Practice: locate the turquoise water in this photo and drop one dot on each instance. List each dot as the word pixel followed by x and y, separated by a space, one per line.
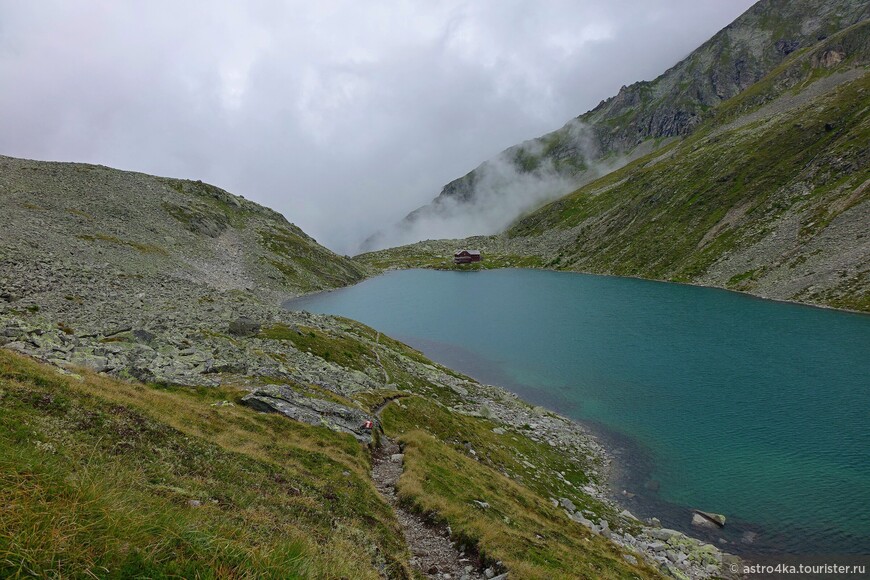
pixel 713 400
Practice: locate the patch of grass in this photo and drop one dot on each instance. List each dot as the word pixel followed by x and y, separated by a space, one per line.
pixel 334 348
pixel 140 247
pixel 743 280
pixel 199 218
pixel 105 478
pixel 80 213
pixel 538 466
pixel 525 531
pixel 304 263
pixel 371 400
pixel 412 256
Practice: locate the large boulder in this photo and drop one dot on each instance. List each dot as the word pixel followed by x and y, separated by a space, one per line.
pixel 244 326
pixel 284 400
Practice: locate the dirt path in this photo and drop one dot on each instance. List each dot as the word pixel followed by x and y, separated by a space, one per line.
pixel 432 552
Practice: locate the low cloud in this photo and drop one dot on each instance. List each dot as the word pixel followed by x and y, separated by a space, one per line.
pixel 342 115
pixel 502 191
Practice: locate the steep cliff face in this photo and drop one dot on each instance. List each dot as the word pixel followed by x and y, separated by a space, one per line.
pixel 734 59
pixel 639 119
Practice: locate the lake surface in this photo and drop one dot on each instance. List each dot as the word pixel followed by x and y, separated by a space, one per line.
pixel 714 400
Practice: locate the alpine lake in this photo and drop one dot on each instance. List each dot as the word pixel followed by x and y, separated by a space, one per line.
pixel 707 399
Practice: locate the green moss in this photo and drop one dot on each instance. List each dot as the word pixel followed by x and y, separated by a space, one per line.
pixel 741 281
pixel 525 160
pixel 305 264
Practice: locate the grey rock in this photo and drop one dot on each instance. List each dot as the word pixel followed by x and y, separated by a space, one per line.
pixel 143 336
pixel 243 327
pixel 95 363
pixel 567 504
pixel 578 517
pixel 663 534
pixel 279 399
pixel 703 519
pixel 627 514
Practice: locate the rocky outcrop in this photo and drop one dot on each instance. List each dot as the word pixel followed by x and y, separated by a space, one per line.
pixel 284 400
pixel 707 519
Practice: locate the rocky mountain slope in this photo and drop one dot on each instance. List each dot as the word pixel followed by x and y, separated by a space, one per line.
pixel 79 217
pixel 642 117
pixel 161 415
pixel 768 195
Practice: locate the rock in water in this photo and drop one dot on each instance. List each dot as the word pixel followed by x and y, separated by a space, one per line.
pixel 707 519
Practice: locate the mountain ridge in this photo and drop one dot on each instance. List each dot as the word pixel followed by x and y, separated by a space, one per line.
pixel 641 117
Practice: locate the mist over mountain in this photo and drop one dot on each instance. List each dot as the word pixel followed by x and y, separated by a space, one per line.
pixel 640 118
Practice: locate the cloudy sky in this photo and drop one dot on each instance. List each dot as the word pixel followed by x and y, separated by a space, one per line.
pixel 344 116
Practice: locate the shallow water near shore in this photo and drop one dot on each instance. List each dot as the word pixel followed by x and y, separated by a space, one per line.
pixel 708 399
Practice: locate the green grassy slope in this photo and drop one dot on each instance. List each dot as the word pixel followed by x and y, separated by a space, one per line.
pixel 520 526
pixel 106 478
pixel 708 209
pixel 112 479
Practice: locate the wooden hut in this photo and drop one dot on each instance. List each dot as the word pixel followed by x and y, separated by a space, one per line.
pixel 466 256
